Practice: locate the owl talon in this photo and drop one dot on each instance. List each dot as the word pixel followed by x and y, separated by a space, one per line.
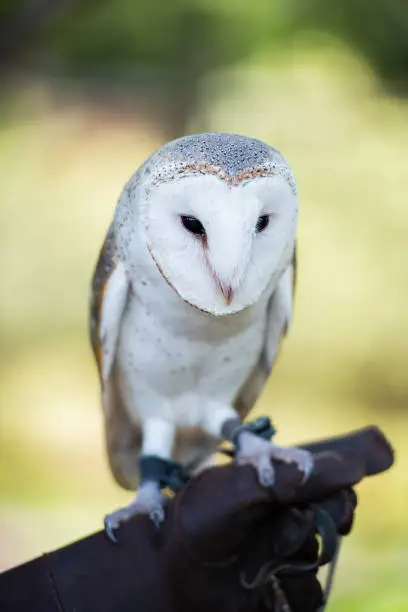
pixel 110 527
pixel 306 466
pixel 253 450
pixel 267 479
pixel 149 500
pixel 266 471
pixel 157 517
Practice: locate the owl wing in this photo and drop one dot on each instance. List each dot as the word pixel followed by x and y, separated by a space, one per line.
pixel 109 294
pixel 109 291
pixel 279 316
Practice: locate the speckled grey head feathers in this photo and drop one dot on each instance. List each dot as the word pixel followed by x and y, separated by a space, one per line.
pixel 233 158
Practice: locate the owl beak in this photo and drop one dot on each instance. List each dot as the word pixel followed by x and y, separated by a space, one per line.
pixel 227 293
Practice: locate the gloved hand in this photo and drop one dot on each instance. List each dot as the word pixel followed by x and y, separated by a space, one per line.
pixel 227 543
pixel 233 545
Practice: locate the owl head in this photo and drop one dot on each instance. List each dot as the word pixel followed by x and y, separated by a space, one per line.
pixel 217 214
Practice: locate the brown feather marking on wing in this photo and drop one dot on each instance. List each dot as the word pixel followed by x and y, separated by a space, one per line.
pixel 105 266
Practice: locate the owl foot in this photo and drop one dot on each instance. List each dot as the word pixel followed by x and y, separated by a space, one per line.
pixel 254 450
pixel 149 500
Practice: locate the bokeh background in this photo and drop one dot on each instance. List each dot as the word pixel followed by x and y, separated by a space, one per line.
pixel 87 91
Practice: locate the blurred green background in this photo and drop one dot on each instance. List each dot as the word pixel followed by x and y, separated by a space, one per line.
pixel 87 91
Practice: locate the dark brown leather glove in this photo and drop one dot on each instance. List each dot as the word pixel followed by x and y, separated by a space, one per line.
pixel 234 545
pixel 227 543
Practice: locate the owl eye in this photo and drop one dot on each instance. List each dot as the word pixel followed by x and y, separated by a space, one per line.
pixel 262 223
pixel 193 225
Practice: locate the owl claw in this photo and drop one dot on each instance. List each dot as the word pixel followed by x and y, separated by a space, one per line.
pixel 148 501
pixel 255 451
pixel 266 471
pixel 109 528
pixel 157 516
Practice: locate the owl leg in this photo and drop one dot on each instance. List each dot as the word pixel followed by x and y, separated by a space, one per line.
pixel 253 449
pixel 157 471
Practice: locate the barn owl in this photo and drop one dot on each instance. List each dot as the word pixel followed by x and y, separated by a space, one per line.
pixel 191 296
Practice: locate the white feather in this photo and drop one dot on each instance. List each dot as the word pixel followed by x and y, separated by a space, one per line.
pixel 235 254
pixel 113 304
pixel 158 437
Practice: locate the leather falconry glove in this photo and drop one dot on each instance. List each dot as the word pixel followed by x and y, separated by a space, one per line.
pixel 235 545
